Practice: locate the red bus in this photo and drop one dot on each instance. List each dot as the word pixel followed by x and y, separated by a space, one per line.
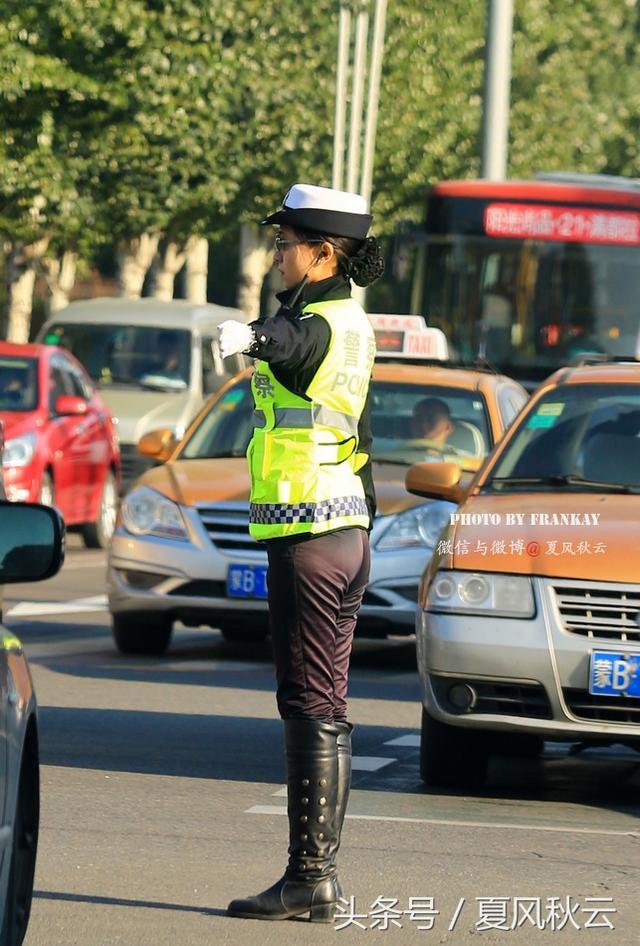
pixel 532 275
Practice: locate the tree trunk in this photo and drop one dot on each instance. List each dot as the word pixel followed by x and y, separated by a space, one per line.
pixel 21 263
pixel 171 259
pixel 61 277
pixel 256 256
pixel 197 252
pixel 134 259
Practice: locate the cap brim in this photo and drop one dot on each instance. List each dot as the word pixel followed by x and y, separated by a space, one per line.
pixel 331 222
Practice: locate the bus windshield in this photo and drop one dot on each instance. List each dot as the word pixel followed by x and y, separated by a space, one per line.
pixel 532 275
pixel 529 307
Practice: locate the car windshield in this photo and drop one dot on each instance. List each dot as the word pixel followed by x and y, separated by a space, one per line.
pixel 18 384
pixel 578 437
pixel 400 415
pixel 139 355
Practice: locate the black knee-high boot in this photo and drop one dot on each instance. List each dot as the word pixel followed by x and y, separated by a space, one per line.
pixel 344 784
pixel 309 884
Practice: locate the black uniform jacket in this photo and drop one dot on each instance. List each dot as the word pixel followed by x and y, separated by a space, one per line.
pixel 295 345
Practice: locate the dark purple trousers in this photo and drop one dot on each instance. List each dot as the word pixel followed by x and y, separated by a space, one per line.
pixel 315 589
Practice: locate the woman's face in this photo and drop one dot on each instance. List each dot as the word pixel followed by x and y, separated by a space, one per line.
pixel 295 259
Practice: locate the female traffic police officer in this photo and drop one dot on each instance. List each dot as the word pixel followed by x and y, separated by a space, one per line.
pixel 312 503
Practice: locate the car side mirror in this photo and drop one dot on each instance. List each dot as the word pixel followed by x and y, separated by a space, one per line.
pixel 70 404
pixel 158 444
pixel 437 481
pixel 32 539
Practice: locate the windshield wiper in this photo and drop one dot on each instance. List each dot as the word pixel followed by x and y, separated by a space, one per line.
pixel 563 479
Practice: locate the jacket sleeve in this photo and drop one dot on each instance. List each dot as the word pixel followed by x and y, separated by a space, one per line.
pixel 295 344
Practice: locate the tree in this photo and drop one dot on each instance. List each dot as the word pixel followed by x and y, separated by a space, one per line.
pixel 40 197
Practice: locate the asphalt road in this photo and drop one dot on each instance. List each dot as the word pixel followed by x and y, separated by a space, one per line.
pixel 162 799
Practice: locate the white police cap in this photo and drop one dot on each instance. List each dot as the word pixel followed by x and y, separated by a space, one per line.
pixel 324 210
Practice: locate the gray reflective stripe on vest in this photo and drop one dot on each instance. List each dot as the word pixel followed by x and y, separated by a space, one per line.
pixel 328 418
pixel 268 514
pixel 303 417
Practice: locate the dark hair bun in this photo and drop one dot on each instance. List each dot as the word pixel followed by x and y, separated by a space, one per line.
pixel 367 264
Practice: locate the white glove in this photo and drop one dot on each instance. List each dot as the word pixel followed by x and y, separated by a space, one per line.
pixel 234 337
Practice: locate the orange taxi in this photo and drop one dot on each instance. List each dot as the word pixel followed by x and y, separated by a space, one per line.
pixel 528 625
pixel 182 550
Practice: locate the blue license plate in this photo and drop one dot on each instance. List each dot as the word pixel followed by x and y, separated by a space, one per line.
pixel 614 674
pixel 247 581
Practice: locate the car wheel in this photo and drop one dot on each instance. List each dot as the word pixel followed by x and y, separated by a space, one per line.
pixel 135 634
pixel 452 757
pixel 243 635
pixel 46 494
pixel 97 535
pixel 23 852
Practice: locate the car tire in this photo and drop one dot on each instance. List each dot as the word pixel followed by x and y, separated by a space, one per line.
pixel 135 634
pixel 452 757
pixel 97 535
pixel 46 493
pixel 243 635
pixel 22 867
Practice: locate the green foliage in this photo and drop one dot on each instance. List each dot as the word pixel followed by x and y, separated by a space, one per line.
pixel 575 91
pixel 119 117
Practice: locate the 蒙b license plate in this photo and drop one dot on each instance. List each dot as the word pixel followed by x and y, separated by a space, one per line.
pixel 247 581
pixel 614 674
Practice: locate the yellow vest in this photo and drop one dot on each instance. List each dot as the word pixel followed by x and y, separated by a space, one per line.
pixel 303 456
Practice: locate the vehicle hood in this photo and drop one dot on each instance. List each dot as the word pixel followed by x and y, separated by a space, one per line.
pixel 192 482
pixel 137 411
pixel 17 423
pixel 601 543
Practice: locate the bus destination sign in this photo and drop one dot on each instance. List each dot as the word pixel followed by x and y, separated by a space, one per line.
pixel 563 224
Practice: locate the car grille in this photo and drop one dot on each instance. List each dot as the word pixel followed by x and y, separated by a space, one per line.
pixel 499 699
pixel 133 464
pixel 608 613
pixel 610 709
pixel 227 525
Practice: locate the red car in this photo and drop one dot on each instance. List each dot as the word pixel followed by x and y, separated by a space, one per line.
pixel 61 446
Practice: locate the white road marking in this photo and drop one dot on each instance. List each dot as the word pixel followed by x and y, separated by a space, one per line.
pixel 240 666
pixel 29 609
pixel 413 741
pixel 497 825
pixel 369 763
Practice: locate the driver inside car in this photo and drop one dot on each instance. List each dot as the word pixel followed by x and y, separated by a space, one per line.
pixel 431 425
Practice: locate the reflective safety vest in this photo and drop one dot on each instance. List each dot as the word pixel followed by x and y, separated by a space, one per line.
pixel 303 456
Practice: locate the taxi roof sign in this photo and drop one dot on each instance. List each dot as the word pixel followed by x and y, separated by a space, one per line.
pixel 407 336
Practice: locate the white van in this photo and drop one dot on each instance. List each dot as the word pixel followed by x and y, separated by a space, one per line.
pixel 154 362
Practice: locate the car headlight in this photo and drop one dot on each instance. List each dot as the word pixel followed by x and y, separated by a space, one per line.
pixel 146 512
pixel 480 593
pixel 419 527
pixel 19 451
